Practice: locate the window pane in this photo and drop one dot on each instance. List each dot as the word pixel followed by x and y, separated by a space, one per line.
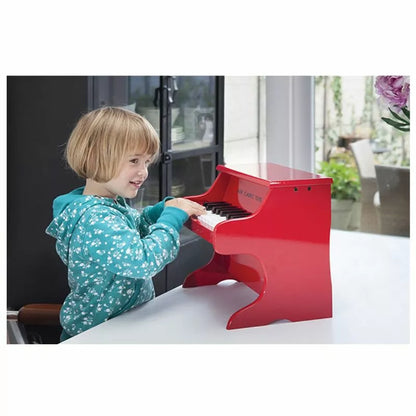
pixel 351 141
pixel 193 113
pixel 141 93
pixel 202 170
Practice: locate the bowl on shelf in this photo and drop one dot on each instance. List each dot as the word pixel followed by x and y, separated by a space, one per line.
pixel 152 115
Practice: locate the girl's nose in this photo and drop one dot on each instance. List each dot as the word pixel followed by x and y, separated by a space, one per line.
pixel 143 171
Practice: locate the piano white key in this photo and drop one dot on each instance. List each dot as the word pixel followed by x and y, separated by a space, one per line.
pixel 210 220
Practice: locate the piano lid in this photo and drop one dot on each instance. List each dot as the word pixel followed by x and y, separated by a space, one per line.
pixel 274 175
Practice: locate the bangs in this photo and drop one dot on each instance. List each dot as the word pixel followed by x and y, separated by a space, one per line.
pixel 144 142
pixel 141 138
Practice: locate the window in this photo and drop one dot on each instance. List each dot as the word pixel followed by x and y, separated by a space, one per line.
pixel 368 159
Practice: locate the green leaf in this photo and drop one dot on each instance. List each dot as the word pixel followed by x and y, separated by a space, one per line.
pixel 406 112
pixel 394 123
pixel 397 116
pixel 403 128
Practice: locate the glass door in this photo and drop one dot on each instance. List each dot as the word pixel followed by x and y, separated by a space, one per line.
pixel 193 113
pixel 196 117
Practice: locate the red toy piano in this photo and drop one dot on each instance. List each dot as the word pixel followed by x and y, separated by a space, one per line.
pixel 269 226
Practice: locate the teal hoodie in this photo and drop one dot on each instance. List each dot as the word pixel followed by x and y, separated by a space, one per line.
pixel 112 252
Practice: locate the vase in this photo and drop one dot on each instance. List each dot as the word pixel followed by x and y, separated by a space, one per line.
pixel 341 211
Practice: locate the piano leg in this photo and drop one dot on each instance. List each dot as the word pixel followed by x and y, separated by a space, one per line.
pixel 289 287
pixel 211 274
pixel 254 314
pixel 296 294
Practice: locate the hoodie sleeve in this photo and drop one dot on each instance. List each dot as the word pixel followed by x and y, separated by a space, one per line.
pixel 114 246
pixel 149 216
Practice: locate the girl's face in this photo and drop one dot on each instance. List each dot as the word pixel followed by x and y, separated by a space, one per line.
pixel 133 172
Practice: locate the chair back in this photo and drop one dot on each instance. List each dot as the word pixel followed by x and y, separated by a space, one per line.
pixel 394 189
pixel 364 158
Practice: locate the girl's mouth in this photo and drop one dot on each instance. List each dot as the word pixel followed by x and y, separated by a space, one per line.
pixel 137 184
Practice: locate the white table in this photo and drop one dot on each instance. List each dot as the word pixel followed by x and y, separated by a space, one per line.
pixel 370 281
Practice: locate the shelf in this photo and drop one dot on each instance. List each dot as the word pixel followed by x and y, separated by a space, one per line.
pixel 187 149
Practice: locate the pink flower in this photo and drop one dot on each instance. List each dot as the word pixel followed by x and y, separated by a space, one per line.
pixel 393 90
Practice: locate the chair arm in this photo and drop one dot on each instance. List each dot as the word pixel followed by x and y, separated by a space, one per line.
pixel 376 199
pixel 46 314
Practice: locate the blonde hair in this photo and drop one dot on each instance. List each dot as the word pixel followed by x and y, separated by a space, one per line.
pixel 103 137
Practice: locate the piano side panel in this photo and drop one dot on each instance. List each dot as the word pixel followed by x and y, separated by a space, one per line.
pixel 239 192
pixel 290 237
pixel 194 225
pixel 247 268
pixel 236 191
pixel 296 214
pixel 215 192
pixel 245 194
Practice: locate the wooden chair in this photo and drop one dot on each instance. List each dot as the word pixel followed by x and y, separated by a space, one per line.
pixel 36 323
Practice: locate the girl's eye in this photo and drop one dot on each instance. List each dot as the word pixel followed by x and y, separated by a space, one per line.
pixel 137 160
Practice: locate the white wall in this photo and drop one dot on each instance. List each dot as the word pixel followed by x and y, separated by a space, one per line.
pixel 269 119
pixel 290 121
pixel 241 120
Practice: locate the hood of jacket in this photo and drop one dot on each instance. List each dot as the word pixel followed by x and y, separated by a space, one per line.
pixel 68 210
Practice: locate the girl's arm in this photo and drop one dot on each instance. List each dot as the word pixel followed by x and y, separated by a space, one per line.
pixel 113 245
pixel 149 216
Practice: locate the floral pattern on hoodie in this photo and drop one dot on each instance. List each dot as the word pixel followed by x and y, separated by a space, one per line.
pixel 112 252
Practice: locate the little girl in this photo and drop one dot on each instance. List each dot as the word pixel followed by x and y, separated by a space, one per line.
pixel 112 251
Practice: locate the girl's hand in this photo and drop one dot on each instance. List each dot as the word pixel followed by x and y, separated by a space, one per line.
pixel 190 207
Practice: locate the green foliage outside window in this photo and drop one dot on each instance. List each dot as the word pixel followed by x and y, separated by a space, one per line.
pixel 346 182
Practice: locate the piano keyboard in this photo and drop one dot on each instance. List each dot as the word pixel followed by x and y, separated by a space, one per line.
pixel 220 211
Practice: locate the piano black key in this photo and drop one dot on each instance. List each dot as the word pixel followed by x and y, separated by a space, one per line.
pixel 218 210
pixel 226 211
pixel 232 215
pixel 216 203
pixel 211 205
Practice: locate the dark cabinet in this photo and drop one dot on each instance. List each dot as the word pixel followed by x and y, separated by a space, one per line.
pixel 41 113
